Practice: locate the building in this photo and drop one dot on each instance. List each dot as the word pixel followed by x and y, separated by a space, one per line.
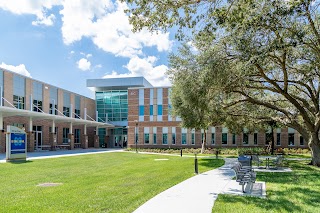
pixel 52 117
pixel 125 111
pixel 141 112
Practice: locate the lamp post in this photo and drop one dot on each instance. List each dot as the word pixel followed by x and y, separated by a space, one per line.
pixel 135 135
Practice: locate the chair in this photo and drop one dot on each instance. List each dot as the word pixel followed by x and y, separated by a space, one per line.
pixel 277 162
pixel 256 159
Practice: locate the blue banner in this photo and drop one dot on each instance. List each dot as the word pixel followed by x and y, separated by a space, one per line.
pixel 18 143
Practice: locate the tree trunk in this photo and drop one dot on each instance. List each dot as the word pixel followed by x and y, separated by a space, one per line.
pixel 315 149
pixel 203 147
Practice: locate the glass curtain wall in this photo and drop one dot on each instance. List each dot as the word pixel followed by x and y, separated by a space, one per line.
pixel 66 104
pixel 112 105
pixel 77 104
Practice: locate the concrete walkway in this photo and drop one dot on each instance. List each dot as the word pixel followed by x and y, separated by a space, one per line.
pixel 62 153
pixel 196 194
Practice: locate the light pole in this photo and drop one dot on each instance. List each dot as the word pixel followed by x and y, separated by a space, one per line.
pixel 135 135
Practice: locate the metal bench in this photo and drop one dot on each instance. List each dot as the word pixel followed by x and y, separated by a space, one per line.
pixel 62 146
pixel 244 175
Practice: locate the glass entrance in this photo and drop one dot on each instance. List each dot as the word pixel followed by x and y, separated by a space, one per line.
pixel 118 141
pixel 37 130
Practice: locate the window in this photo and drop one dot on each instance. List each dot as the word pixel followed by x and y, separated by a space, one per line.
pixel 77 136
pixel 151 109
pixel 301 140
pixel 19 91
pixel 268 138
pixel 66 111
pixel 278 139
pixel 65 135
pixel 53 106
pixel 146 138
pixel 173 138
pixel 154 138
pixel 18 101
pixel 192 138
pixel 224 138
pixel 245 138
pixel 255 138
pixel 184 138
pixel 77 106
pixel 165 138
pixel 212 138
pixel 66 104
pixel 202 137
pixel 77 113
pixel 141 110
pixel 137 138
pixel 233 139
pixel 159 109
pixel 291 139
pixel 37 96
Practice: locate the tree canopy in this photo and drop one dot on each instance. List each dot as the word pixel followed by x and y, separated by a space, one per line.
pixel 260 57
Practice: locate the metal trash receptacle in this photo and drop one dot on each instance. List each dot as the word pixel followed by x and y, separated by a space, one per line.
pixel 245 160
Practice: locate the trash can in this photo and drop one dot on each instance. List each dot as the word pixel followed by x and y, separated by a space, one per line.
pixel 245 160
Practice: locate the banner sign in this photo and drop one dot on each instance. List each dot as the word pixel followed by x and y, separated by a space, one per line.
pixel 16 141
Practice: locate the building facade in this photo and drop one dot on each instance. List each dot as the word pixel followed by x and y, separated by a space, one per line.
pixel 126 112
pixel 141 113
pixel 52 117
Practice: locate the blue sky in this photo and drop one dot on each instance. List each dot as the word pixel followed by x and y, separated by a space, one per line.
pixel 65 42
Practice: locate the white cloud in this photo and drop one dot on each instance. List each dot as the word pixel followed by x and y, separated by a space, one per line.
pixel 38 8
pixel 84 64
pixel 89 55
pixel 21 69
pixel 48 21
pixel 144 67
pixel 71 52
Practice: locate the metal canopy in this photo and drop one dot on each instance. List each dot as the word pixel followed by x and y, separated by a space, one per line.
pixel 9 112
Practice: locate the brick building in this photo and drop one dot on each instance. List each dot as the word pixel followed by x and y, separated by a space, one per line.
pixel 52 117
pixel 141 112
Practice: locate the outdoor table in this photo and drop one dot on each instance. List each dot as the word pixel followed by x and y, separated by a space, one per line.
pixel 267 159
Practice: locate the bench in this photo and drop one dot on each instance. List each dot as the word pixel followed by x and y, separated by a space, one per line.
pixel 77 145
pixel 43 147
pixel 62 146
pixel 244 175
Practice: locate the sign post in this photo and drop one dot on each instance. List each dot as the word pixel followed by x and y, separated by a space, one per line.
pixel 16 144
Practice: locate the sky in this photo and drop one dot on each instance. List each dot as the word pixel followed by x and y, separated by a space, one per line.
pixel 65 42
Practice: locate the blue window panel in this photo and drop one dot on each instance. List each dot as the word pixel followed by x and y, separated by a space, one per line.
pixel 151 109
pixel 141 110
pixel 159 109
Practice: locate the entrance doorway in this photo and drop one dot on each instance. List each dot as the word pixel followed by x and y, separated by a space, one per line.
pixel 120 141
pixel 37 130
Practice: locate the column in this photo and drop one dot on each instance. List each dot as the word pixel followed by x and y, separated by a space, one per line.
pixel 84 138
pixel 2 142
pixel 30 141
pixel 53 137
pixel 71 141
pixel 96 138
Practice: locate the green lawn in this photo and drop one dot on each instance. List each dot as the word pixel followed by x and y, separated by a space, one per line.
pixel 110 182
pixel 298 191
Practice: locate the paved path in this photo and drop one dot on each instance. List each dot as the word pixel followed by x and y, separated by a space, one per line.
pixel 62 153
pixel 196 194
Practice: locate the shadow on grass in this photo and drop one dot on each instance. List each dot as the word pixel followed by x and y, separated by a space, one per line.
pixel 214 163
pixel 20 162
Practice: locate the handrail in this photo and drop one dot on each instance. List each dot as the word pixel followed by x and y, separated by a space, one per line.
pixel 9 103
pixel 38 108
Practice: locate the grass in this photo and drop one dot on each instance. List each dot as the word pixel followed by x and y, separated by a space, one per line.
pixel 298 191
pixel 110 182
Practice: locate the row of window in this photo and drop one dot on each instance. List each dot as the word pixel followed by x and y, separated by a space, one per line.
pixel 159 110
pixel 224 139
